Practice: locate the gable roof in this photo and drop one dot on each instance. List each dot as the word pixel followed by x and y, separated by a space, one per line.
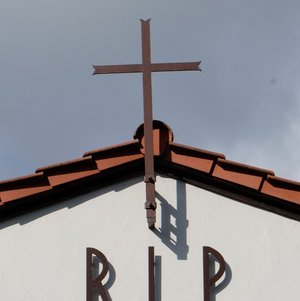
pixel 212 171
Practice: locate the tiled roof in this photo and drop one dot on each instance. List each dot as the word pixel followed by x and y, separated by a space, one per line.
pixel 212 171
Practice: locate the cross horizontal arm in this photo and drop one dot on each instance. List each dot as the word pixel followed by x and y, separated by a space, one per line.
pixel 186 66
pixel 117 69
pixel 158 67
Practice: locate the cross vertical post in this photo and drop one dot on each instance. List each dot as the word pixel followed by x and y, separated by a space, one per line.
pixel 149 179
pixel 147 68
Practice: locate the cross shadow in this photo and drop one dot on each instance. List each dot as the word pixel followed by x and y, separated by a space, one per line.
pixel 174 223
pixel 215 289
pixel 109 281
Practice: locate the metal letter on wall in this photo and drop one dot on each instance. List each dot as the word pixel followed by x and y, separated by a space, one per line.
pixel 91 282
pixel 209 281
pixel 151 268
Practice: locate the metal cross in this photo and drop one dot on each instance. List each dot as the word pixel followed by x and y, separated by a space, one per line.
pixel 147 68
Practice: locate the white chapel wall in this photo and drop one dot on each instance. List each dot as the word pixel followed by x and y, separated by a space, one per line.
pixel 43 254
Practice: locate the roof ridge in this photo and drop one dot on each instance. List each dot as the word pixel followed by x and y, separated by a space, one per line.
pixel 236 164
pixel 64 164
pixel 25 178
pixel 109 148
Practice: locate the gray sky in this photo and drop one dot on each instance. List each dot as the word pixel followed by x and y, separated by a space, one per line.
pixel 245 103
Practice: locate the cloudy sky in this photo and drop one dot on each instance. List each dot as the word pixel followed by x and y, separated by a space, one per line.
pixel 245 103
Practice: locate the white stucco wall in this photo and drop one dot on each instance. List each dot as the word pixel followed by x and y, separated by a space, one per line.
pixel 43 254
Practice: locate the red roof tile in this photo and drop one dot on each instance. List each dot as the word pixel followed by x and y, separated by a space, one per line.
pixel 18 188
pixel 242 174
pixel 255 186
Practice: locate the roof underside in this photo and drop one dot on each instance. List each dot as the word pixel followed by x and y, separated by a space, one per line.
pixel 212 171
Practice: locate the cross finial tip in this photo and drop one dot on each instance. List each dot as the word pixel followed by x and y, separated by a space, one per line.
pixel 94 69
pixel 145 21
pixel 199 66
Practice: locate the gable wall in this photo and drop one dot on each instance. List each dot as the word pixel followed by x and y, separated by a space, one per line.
pixel 43 253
